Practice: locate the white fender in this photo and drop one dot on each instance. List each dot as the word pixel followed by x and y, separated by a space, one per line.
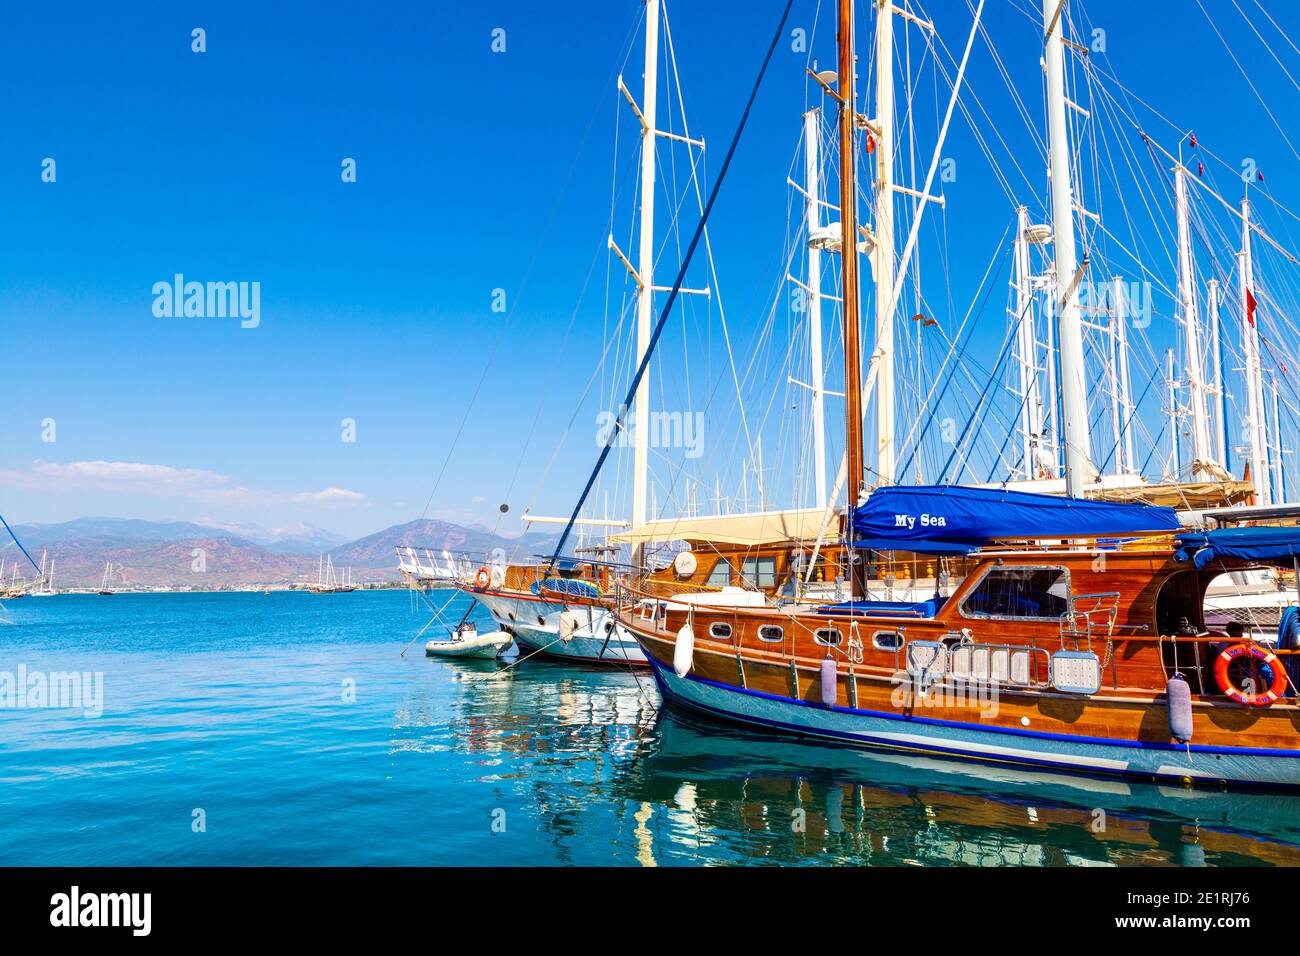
pixel 569 623
pixel 497 576
pixel 684 651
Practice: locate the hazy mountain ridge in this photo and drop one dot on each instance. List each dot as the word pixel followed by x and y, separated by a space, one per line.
pixel 206 555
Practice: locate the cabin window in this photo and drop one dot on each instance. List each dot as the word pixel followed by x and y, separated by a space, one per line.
pixel 886 640
pixel 720 576
pixel 799 561
pixel 771 632
pixel 760 572
pixel 1008 592
pixel 828 636
pixel 721 632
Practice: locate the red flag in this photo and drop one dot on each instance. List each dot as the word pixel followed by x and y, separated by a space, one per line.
pixel 1200 169
pixel 1193 141
pixel 1259 174
pixel 1250 307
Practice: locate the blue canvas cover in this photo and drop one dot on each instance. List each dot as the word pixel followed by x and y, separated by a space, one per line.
pixel 883 608
pixel 948 519
pixel 1262 545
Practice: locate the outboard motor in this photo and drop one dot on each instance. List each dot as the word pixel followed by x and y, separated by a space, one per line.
pixel 1178 698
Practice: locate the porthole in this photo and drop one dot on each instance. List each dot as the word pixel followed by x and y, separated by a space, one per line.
pixel 771 633
pixel 720 631
pixel 828 636
pixel 887 640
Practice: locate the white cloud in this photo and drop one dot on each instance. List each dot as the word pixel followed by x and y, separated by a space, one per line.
pixel 330 496
pixel 141 477
pixel 128 471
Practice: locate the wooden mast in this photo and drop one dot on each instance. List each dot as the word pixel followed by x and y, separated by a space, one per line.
pixel 849 273
pixel 849 263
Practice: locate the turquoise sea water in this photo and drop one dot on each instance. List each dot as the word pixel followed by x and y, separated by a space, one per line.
pixel 289 724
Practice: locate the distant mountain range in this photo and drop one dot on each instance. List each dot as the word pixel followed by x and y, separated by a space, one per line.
pixel 209 554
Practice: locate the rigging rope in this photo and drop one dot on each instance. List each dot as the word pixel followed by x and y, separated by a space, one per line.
pixel 39 569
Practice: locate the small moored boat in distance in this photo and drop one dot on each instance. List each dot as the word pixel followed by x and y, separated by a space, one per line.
pixel 327 582
pixel 45 587
pixel 106 585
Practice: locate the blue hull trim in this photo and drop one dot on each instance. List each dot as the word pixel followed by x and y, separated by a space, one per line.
pixel 1240 766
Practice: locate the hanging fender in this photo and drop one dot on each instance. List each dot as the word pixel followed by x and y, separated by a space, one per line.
pixel 684 651
pixel 830 682
pixel 1268 660
pixel 1178 702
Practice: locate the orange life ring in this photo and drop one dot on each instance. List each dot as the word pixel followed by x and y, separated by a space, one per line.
pixel 1267 658
pixel 483 578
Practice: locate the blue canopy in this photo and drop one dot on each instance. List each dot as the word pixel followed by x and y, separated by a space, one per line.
pixel 1263 545
pixel 951 519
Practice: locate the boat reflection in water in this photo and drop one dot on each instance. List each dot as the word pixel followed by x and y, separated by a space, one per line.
pixel 591 773
pixel 728 795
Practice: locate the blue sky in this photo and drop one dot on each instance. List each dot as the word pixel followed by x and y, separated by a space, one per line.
pixel 475 171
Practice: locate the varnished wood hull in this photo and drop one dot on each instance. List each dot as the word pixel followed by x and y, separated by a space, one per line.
pixel 1108 738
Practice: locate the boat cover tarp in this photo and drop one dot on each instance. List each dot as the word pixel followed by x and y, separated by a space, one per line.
pixel 747 530
pixel 1265 545
pixel 883 608
pixel 571 586
pixel 948 519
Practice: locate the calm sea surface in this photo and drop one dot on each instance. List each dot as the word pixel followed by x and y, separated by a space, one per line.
pixel 287 729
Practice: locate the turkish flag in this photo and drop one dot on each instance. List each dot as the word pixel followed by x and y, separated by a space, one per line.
pixel 1250 307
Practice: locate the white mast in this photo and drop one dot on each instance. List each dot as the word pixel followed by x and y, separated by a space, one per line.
pixel 1175 466
pixel 1112 376
pixel 645 268
pixel 1074 394
pixel 1031 412
pixel 1216 359
pixel 812 186
pixel 1256 428
pixel 1125 403
pixel 1279 485
pixel 1201 456
pixel 884 242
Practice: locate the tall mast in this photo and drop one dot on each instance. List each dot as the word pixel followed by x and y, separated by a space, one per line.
pixel 1031 412
pixel 1121 347
pixel 1074 386
pixel 645 268
pixel 1175 466
pixel 1201 454
pixel 1257 440
pixel 812 186
pixel 884 242
pixel 1112 374
pixel 1216 357
pixel 849 262
pixel 1279 483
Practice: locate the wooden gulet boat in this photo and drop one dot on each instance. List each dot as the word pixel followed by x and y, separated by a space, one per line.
pixel 1065 656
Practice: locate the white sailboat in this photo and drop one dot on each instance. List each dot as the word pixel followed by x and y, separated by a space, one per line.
pixel 45 587
pixel 328 582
